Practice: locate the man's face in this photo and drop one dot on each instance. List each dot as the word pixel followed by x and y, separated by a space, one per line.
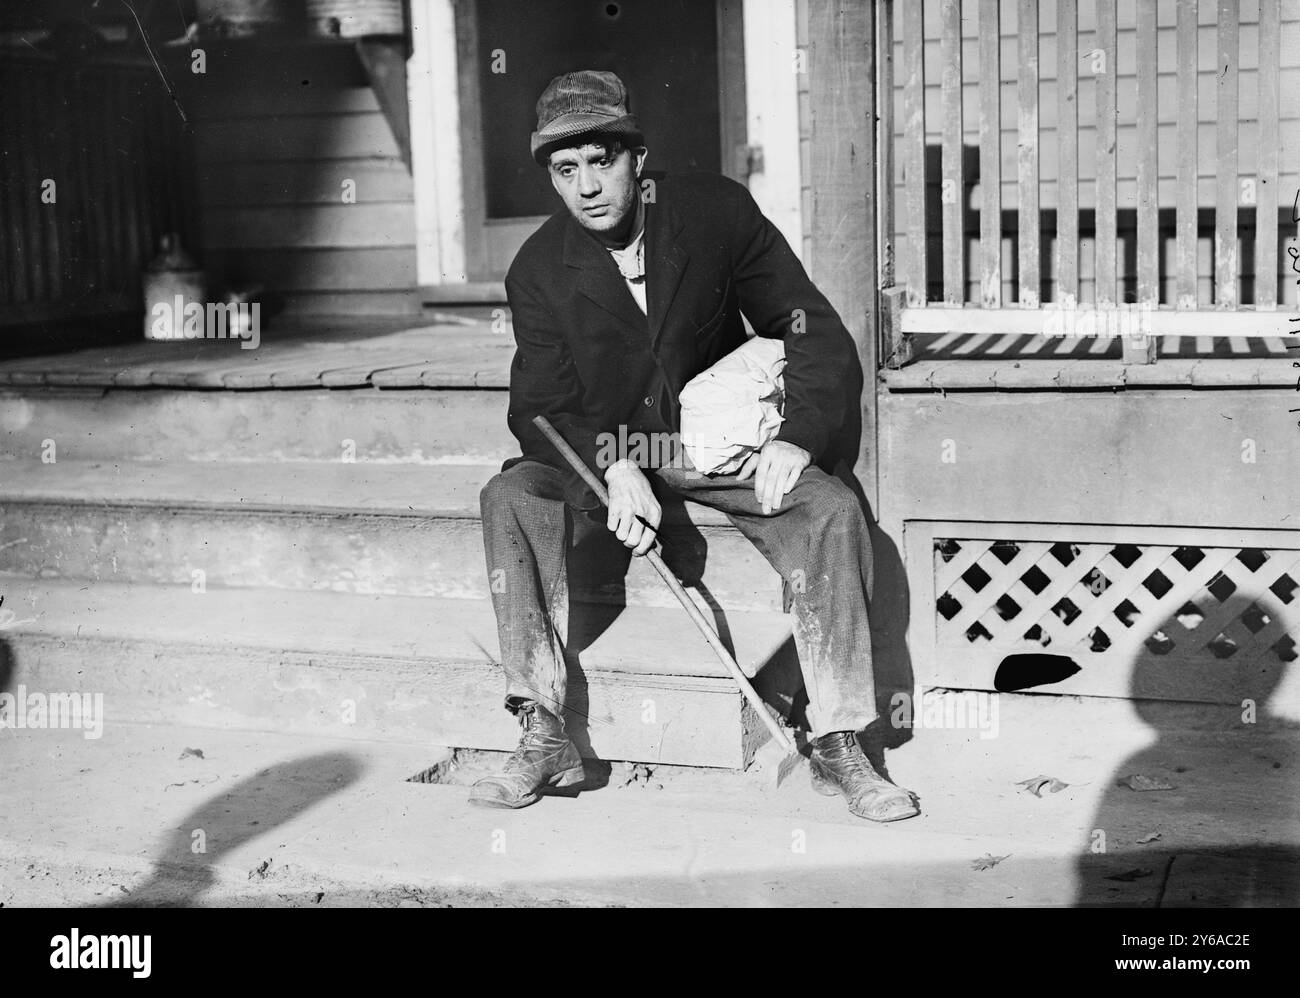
pixel 600 188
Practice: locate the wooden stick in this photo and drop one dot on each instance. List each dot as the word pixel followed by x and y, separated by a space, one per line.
pixel 652 556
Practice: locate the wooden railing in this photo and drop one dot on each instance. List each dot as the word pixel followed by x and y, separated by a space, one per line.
pixel 96 169
pixel 1150 301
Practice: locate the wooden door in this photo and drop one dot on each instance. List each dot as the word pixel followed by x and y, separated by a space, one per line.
pixel 683 65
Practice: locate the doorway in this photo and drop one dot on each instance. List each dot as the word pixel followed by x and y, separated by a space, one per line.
pixel 681 60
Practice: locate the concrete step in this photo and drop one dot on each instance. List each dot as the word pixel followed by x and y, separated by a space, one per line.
pixel 461 425
pixel 644 685
pixel 365 528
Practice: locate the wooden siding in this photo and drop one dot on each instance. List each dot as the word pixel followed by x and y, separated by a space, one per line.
pixel 278 133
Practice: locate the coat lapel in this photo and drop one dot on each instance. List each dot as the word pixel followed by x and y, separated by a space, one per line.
pixel 665 263
pixel 599 279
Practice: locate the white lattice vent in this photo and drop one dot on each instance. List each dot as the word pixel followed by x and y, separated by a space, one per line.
pixel 1107 600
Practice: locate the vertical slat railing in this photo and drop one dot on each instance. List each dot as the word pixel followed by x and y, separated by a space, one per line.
pixel 27 153
pixel 1103 63
pixel 1143 349
pixel 990 68
pixel 7 266
pixel 1225 133
pixel 1186 206
pixel 914 149
pixel 953 192
pixel 1067 153
pixel 96 183
pixel 1266 193
pixel 1148 249
pixel 111 186
pixel 1027 160
pixel 101 134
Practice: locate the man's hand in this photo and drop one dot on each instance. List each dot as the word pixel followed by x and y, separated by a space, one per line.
pixel 630 496
pixel 775 468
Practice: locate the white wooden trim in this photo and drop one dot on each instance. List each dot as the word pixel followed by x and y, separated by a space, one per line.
pixel 432 90
pixel 922 627
pixel 1049 321
pixel 1093 533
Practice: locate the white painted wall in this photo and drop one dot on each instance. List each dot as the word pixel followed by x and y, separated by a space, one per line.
pixel 772 109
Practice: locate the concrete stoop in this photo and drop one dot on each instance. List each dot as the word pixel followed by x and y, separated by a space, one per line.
pixel 300 559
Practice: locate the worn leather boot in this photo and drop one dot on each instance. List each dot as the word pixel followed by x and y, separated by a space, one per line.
pixel 545 757
pixel 839 766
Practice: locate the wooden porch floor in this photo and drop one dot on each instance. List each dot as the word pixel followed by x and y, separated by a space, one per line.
pixel 452 351
pixel 980 361
pixel 460 350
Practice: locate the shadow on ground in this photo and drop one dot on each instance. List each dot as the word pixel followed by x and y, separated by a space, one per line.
pixel 1219 835
pixel 252 808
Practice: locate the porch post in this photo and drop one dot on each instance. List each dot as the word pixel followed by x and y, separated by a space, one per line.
pixel 842 166
pixel 435 144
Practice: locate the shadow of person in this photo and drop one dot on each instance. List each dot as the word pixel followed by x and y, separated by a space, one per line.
pixel 1227 833
pixel 252 808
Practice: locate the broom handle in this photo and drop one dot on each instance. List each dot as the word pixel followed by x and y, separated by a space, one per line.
pixel 665 573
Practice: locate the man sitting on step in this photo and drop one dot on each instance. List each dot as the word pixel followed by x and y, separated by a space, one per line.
pixel 618 301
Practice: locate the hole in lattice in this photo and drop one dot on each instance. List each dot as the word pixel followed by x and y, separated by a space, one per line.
pixel 1252 558
pixel 1127 613
pixel 1221 587
pixel 1221 646
pixel 1037 634
pixel 1021 671
pixel 1035 579
pixel 1189 558
pixel 1007 607
pixel 1096 582
pixel 1066 609
pixel 1157 584
pixel 1004 551
pixel 1160 643
pixel 1099 640
pixel 978 632
pixel 975 577
pixel 947 606
pixel 1189 615
pixel 1283 588
pixel 1254 618
pixel 1126 554
pixel 947 548
pixel 1285 648
pixel 1064 553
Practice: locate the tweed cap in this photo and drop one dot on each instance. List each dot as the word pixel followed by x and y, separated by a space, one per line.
pixel 586 102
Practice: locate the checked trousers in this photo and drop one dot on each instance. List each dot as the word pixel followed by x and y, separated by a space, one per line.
pixel 817 541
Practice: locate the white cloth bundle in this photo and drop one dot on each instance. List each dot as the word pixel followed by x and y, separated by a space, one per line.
pixel 734 408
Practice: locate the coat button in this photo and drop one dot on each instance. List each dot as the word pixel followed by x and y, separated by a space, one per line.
pixel 648 401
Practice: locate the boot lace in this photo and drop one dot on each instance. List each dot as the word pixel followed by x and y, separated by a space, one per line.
pixel 531 739
pixel 856 758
